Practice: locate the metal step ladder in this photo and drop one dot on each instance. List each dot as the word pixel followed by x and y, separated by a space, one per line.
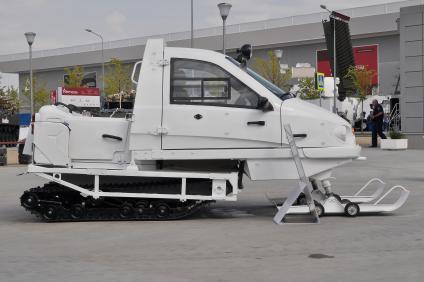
pixel 305 185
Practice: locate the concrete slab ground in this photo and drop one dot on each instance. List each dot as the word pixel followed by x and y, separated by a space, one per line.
pixel 231 242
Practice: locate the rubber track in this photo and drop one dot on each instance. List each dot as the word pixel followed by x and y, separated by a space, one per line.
pixel 64 199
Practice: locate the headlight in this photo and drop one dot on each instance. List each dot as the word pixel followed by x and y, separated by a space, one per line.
pixel 341 132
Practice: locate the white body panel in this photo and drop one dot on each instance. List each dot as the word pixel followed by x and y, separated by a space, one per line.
pixel 147 114
pixel 51 143
pixel 160 130
pixel 62 139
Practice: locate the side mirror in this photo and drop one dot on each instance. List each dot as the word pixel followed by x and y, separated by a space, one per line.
pixel 264 104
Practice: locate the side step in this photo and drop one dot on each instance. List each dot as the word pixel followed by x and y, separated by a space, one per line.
pixel 305 187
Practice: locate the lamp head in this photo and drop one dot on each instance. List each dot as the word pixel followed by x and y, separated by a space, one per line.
pixel 30 36
pixel 224 10
pixel 88 30
pixel 278 53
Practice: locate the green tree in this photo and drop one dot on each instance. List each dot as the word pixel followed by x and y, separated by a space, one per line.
pixel 41 94
pixel 361 78
pixel 75 76
pixel 270 69
pixel 307 90
pixel 117 78
pixel 9 102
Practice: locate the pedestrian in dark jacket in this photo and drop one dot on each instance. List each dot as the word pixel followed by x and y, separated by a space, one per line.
pixel 377 122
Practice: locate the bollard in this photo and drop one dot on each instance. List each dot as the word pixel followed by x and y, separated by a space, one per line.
pixel 3 155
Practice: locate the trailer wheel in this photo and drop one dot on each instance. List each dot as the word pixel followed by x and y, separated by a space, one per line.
pixel 319 209
pixel 126 210
pixel 50 212
pixel 29 200
pixel 351 209
pixel 301 200
pixel 77 211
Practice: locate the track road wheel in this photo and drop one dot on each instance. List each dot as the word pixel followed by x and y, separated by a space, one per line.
pixel 50 212
pixel 162 210
pixel 126 210
pixel 319 209
pixel 351 209
pixel 78 211
pixel 29 200
pixel 141 207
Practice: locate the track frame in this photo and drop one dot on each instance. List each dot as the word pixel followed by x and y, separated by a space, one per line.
pixel 219 182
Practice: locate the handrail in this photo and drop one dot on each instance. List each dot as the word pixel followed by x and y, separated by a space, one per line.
pixel 381 186
pixel 395 117
pixel 133 72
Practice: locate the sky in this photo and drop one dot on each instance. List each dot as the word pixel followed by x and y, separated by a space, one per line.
pixel 60 23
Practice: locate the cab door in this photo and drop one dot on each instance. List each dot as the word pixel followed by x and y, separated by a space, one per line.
pixel 205 107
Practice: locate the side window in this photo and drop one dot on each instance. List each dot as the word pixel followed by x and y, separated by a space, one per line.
pixel 202 83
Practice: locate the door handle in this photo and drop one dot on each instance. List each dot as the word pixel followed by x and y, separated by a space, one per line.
pixel 258 122
pixel 198 116
pixel 112 137
pixel 300 135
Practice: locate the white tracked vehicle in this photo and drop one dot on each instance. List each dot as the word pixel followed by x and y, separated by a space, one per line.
pixel 200 121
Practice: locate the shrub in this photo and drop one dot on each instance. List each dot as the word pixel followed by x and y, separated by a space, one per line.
pixel 394 134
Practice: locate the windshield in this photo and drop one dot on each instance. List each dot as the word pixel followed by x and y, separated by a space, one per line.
pixel 270 86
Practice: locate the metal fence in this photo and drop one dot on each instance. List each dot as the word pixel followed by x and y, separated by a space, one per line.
pixel 216 31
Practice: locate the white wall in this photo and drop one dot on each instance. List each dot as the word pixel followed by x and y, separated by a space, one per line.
pixel 9 79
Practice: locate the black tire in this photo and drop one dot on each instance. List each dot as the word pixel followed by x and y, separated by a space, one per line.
pixel 351 209
pixel 126 211
pixel 162 210
pixel 50 212
pixel 301 200
pixel 141 207
pixel 78 211
pixel 337 197
pixel 319 209
pixel 29 200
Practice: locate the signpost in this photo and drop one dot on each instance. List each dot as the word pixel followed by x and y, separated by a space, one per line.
pixel 319 84
pixel 319 81
pixel 80 97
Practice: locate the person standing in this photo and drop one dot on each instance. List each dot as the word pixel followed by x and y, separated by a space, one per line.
pixel 377 122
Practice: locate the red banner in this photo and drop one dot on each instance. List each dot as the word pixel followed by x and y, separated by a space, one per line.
pixel 53 97
pixel 82 91
pixel 365 56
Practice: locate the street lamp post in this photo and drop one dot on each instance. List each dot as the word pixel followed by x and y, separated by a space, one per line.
pixel 224 10
pixel 103 58
pixel 279 54
pixel 334 58
pixel 30 36
pixel 192 33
